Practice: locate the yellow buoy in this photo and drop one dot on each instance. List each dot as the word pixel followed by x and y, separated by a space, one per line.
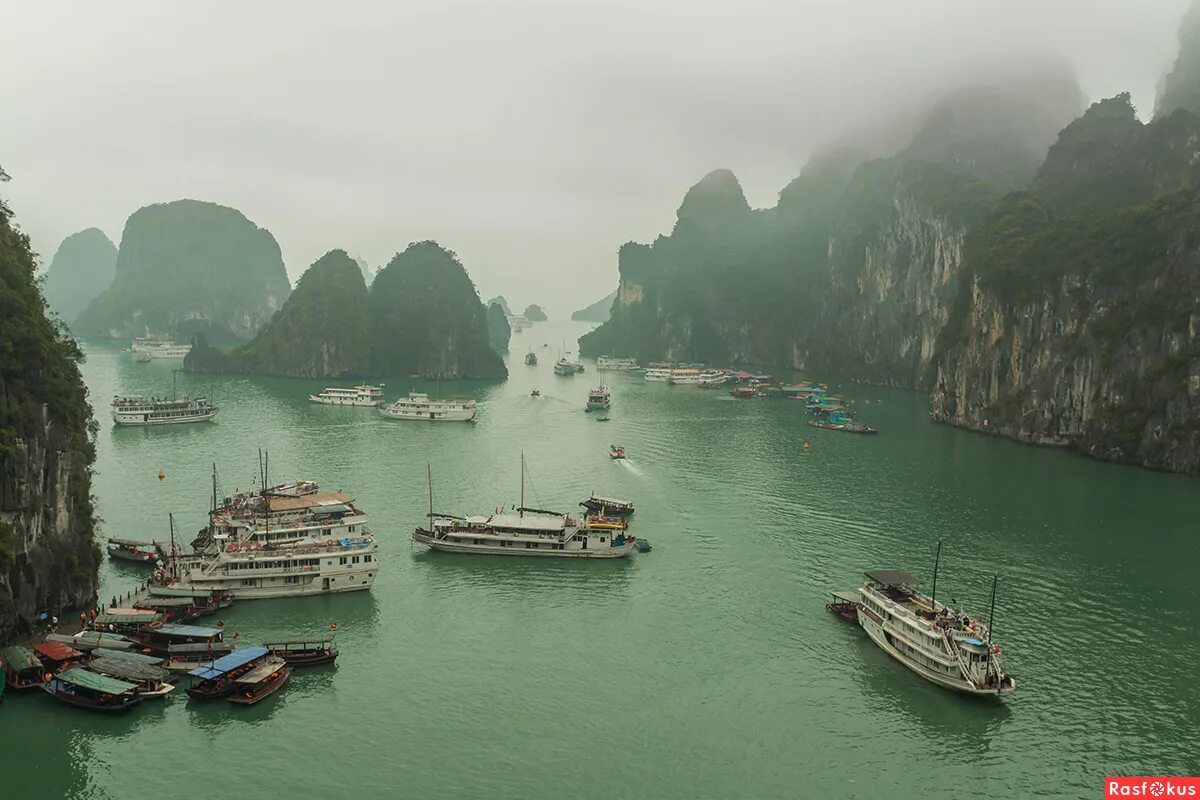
pixel 161 474
pixel 806 445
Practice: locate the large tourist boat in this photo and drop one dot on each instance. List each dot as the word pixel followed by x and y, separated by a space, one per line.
pixel 523 532
pixel 419 406
pixel 160 348
pixel 566 367
pixel 691 376
pixel 91 690
pixel 291 539
pixel 941 644
pixel 599 398
pixel 659 373
pixel 161 410
pixel 616 363
pixel 362 395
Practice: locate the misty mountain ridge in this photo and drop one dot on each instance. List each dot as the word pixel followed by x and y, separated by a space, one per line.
pixel 83 266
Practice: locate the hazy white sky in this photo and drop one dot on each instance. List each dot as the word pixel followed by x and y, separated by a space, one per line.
pixel 531 137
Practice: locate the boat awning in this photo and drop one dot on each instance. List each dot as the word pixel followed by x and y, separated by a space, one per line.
pixel 309 501
pixel 300 640
pixel 89 640
pixel 529 523
pixel 224 664
pixel 57 651
pixel 848 597
pixel 144 616
pixel 176 591
pixel 892 577
pixel 128 670
pixel 262 671
pixel 171 629
pixel 132 543
pixel 199 647
pixel 129 655
pixel 169 602
pixel 20 658
pixel 95 681
pixel 128 612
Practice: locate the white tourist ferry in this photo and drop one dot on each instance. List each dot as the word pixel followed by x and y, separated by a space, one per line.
pixel 363 395
pixel 660 373
pixel 161 410
pixel 939 643
pixel 616 364
pixel 286 541
pixel 526 532
pixel 160 348
pixel 690 376
pixel 599 398
pixel 418 405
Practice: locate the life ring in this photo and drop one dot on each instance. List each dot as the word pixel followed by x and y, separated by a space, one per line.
pixel 230 548
pixel 329 542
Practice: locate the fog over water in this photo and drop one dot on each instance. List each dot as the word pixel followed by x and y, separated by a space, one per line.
pixel 531 137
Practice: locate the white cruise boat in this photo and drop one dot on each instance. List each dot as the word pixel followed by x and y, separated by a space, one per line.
pixel 616 364
pixel 161 411
pixel 418 405
pixel 287 541
pixel 660 373
pixel 519 322
pixel 363 395
pixel 690 376
pixel 160 348
pixel 941 644
pixel 599 398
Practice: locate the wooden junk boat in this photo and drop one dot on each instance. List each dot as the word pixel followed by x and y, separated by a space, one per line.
pixel 57 656
pixel 22 670
pixel 91 690
pixel 150 680
pixel 187 657
pixel 260 682
pixel 217 679
pixel 845 605
pixel 304 651
pixel 133 550
pixel 159 638
pixel 608 506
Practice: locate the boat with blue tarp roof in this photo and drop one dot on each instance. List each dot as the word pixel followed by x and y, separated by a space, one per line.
pixel 217 678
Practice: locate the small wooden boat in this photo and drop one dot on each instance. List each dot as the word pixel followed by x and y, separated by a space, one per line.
pixel 845 605
pixel 531 359
pixel 615 451
pixel 304 651
pixel 57 656
pixel 22 670
pixel 150 680
pixel 217 679
pixel 142 357
pixel 642 545
pixel 603 419
pixel 91 690
pixel 158 638
pixel 535 393
pixel 133 550
pixel 88 641
pixel 261 682
pixel 187 657
pixel 745 391
pixel 608 506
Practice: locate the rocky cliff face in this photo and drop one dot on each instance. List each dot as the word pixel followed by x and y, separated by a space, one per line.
pixel 82 268
pixel 1083 329
pixel 429 320
pixel 598 311
pixel 324 330
pixel 48 557
pixel 499 331
pixel 534 313
pixel 190 267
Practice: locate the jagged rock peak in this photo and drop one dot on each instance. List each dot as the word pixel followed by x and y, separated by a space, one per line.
pixel 717 196
pixel 82 268
pixel 1180 88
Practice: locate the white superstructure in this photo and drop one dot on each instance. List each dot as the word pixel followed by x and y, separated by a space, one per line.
pixel 287 541
pixel 161 411
pixel 939 643
pixel 696 377
pixel 419 406
pixel 363 395
pixel 160 348
pixel 658 373
pixel 615 363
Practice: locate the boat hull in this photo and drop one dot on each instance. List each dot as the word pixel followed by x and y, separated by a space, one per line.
pixel 878 635
pixel 79 701
pixel 139 558
pixel 250 697
pixel 338 401
pixel 466 548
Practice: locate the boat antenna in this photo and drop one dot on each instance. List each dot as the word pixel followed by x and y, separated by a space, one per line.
pixel 429 475
pixel 261 483
pixel 214 488
pixel 266 468
pixel 936 561
pixel 522 511
pixel 991 649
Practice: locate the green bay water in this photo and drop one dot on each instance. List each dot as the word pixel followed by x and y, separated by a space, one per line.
pixel 707 668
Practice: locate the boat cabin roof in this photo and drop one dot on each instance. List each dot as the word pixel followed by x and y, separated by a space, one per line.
pixel 132 543
pixel 610 501
pixel 178 591
pixel 224 664
pixel 309 501
pixel 130 656
pixel 262 671
pixel 128 612
pixel 531 522
pixel 20 658
pixel 848 597
pixel 57 651
pixel 95 681
pixel 129 670
pixel 143 616
pixel 91 640
pixel 892 577
pixel 172 629
pixel 199 647
pixel 169 602
pixel 321 638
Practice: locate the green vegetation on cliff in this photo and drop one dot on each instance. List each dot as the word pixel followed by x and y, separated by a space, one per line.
pixel 190 267
pixel 324 330
pixel 48 557
pixel 428 318
pixel 82 268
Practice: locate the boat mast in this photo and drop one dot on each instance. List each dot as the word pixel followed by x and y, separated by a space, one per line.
pixel 990 646
pixel 936 560
pixel 429 475
pixel 521 511
pixel 174 551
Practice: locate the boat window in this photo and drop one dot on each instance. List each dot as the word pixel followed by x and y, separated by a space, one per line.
pixel 366 559
pixel 342 560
